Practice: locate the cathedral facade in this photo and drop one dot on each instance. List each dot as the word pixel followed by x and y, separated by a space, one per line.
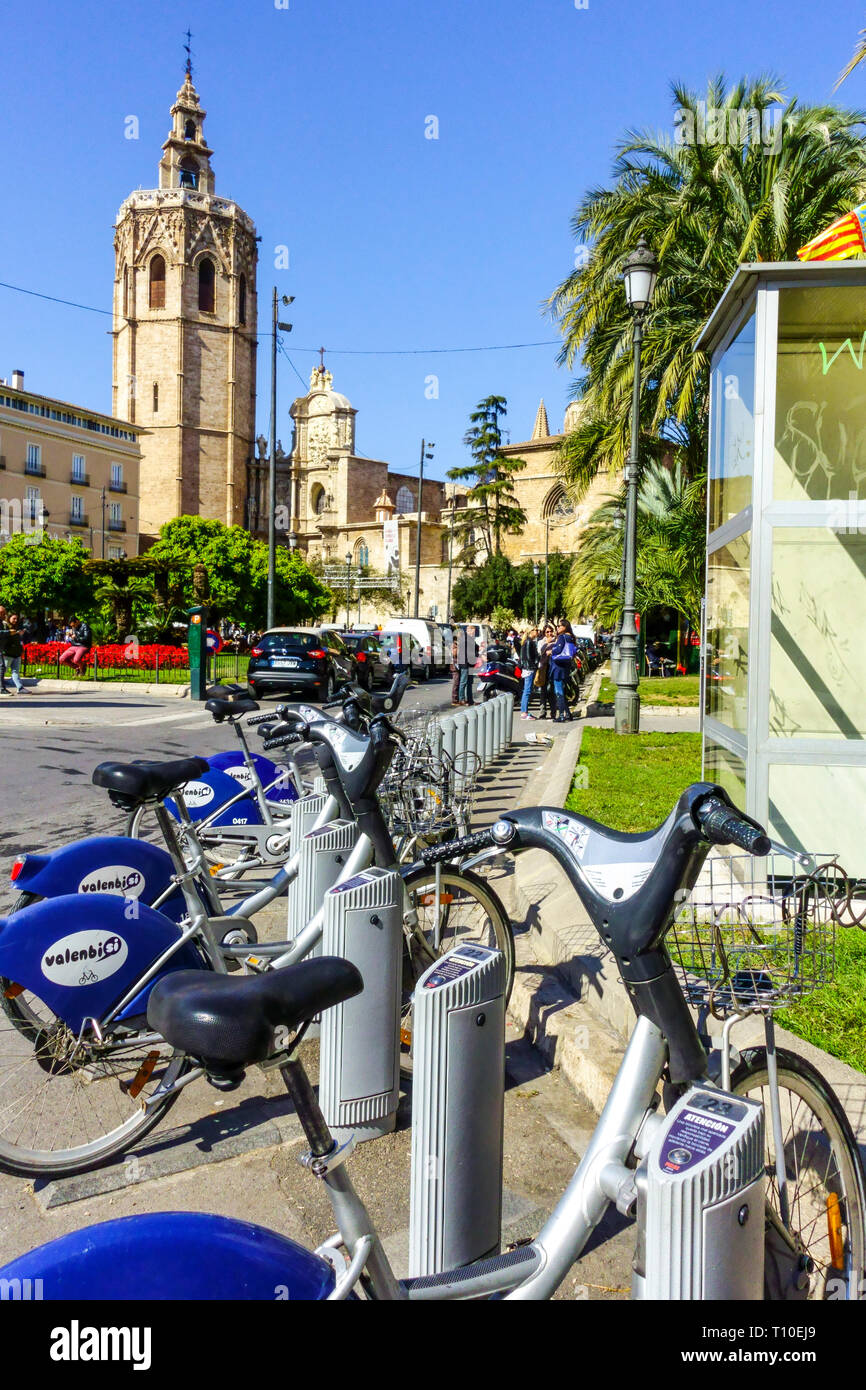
pixel 184 360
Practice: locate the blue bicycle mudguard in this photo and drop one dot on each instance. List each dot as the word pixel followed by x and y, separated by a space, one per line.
pixel 104 864
pixel 80 954
pixel 174 1255
pixel 233 764
pixel 204 794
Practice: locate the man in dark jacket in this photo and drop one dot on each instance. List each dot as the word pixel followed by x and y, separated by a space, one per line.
pixel 4 629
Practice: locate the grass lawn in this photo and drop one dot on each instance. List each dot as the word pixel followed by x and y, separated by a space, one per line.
pixel 633 781
pixel 632 784
pixel 658 690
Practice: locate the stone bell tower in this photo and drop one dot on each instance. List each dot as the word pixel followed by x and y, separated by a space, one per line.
pixel 185 331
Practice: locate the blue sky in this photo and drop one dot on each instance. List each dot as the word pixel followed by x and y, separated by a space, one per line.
pixel 317 114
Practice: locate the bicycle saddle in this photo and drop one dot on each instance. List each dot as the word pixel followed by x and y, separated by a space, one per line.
pixel 130 783
pixel 222 708
pixel 228 1020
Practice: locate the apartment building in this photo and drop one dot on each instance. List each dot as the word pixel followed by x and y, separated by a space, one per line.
pixel 69 471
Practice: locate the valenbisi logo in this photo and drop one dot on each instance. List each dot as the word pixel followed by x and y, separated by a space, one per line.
pixel 85 957
pixel 77 1343
pixel 197 793
pixel 114 878
pixel 241 773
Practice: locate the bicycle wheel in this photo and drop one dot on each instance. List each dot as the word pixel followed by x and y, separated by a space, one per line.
pixel 825 1178
pixel 65 1106
pixel 453 909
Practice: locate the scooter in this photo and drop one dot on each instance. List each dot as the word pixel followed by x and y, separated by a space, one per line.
pixel 501 675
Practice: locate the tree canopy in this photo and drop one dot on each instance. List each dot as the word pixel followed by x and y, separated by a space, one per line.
pixel 45 573
pixel 491 503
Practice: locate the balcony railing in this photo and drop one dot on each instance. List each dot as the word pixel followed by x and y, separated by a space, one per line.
pixel 34 470
pixel 79 479
pixel 116 525
pixel 75 519
pixel 117 487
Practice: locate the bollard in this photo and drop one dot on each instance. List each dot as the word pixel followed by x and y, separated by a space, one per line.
pixel 460 731
pixel 490 749
pixel 447 737
pixel 472 735
pixel 501 708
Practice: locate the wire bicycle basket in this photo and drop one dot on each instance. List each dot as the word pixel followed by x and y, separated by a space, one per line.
pixel 758 932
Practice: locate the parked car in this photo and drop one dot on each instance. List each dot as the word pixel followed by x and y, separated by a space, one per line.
pixel 374 664
pixel 589 654
pixel 436 655
pixel 404 652
pixel 300 660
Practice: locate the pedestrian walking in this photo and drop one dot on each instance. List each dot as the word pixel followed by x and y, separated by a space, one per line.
pixel 13 646
pixel 455 672
pixel 543 677
pixel 562 655
pixel 4 629
pixel 466 658
pixel 528 665
pixel 80 641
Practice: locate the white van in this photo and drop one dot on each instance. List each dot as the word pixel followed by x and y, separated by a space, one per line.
pixel 435 654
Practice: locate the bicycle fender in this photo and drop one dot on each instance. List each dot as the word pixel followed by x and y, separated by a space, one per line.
pixel 233 764
pixel 203 795
pixel 80 954
pixel 103 864
pixel 173 1255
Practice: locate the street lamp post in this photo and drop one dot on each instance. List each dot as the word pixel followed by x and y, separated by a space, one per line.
pixel 535 577
pixel 348 584
pixel 424 455
pixel 272 470
pixel 639 276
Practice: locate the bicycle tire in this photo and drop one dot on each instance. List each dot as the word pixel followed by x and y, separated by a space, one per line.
pixel 44 1094
pixel 831 1150
pixel 490 927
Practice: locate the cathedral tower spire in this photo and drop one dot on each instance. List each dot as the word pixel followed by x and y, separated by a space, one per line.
pixel 185 331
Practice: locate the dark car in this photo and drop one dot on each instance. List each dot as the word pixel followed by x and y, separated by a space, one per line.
pixel 374 664
pixel 300 660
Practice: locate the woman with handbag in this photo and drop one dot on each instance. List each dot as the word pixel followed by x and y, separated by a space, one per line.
pixel 542 674
pixel 528 665
pixel 562 655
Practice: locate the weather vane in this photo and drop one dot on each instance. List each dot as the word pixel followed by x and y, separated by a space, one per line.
pixel 188 47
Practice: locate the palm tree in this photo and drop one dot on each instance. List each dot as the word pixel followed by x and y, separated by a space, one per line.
pixel 857 57
pixel 670 553
pixel 754 185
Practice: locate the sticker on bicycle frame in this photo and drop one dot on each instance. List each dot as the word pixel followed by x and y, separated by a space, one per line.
pixel 121 879
pixel 241 773
pixel 571 832
pixel 342 741
pixel 84 958
pixel 197 793
pixel 693 1136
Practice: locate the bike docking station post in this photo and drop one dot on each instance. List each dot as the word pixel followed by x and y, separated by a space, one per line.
pixel 304 814
pixel 198 654
pixel 700 1200
pixel 323 854
pixel 458 1091
pixel 359 1069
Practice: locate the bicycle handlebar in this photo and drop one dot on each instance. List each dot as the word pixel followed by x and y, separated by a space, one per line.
pixel 260 719
pixel 501 833
pixel 725 825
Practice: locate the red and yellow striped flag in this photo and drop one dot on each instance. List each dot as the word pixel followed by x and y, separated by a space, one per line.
pixel 843 238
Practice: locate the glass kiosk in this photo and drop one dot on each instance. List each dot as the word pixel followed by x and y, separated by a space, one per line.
pixel 784 670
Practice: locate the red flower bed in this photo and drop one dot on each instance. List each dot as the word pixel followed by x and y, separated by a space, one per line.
pixel 126 655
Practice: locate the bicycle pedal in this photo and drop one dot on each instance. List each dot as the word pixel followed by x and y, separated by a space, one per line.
pixel 255 965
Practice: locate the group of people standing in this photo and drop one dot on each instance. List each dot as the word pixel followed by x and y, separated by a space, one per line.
pixel 547 660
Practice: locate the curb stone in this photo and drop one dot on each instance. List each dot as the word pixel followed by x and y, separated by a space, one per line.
pixel 50 686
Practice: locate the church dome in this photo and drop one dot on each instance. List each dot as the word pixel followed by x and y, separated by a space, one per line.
pixel 327 400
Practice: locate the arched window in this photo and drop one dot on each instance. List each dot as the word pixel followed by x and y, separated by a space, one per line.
pixel 557 505
pixel 405 501
pixel 189 130
pixel 188 172
pixel 242 300
pixel 125 291
pixel 446 547
pixel 156 283
pixel 156 398
pixel 318 499
pixel 207 286
pixel 362 554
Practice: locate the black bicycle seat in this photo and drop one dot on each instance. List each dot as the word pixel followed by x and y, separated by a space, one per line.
pixel 222 708
pixel 128 784
pixel 228 1021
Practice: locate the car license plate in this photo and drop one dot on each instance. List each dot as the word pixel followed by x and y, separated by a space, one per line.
pixel 283 662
